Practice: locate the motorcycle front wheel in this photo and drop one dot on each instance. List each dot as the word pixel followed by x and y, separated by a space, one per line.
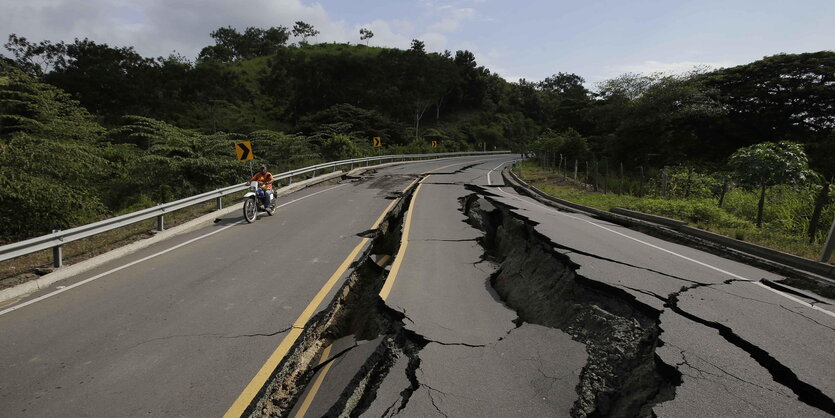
pixel 250 210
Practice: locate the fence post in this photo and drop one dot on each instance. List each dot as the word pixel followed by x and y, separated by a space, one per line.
pixel 588 174
pixel 219 201
pixel 641 187
pixel 575 169
pixel 724 191
pixel 830 244
pixel 621 178
pixel 606 180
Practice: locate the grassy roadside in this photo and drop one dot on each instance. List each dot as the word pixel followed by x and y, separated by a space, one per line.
pixel 701 213
pixel 22 269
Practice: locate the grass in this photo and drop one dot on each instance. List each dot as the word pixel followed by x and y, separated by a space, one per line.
pixel 28 267
pixel 784 230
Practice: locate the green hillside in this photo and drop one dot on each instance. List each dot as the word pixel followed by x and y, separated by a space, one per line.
pixel 102 130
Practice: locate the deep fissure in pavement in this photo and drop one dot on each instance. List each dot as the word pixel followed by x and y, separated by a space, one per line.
pixel 781 374
pixel 357 310
pixel 623 376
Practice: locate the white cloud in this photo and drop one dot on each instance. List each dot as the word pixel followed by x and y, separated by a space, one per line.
pixel 445 25
pixel 463 13
pixel 156 27
pixel 159 27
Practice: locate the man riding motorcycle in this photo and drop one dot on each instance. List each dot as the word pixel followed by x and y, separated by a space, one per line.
pixel 265 180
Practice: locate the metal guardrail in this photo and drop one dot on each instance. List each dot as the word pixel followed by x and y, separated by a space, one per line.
pixel 58 238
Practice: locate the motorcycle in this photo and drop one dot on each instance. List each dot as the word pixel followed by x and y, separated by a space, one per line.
pixel 254 202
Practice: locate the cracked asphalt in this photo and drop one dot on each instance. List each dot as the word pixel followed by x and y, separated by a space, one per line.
pixel 741 349
pixel 183 333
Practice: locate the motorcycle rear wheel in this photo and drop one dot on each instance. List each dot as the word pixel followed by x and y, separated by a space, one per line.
pixel 250 210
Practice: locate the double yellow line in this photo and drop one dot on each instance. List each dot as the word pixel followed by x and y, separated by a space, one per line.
pixel 248 395
pixel 251 390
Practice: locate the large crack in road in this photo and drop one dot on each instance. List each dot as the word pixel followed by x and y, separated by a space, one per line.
pixel 356 311
pixel 508 234
pixel 622 376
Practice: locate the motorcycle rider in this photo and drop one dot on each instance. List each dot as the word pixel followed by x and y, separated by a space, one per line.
pixel 266 178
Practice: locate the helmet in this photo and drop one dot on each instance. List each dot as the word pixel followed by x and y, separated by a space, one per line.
pixel 263 167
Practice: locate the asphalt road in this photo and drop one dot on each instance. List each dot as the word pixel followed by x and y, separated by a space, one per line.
pixel 741 348
pixel 182 333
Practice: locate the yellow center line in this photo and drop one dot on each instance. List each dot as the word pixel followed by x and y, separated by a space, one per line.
pixel 251 390
pixel 404 243
pixel 392 276
pixel 248 395
pixel 308 400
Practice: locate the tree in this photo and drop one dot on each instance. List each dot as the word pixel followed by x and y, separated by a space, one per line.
pixel 667 119
pixel 785 95
pixel 365 35
pixel 339 147
pixel 36 59
pixel 565 101
pixel 230 45
pixel 304 30
pixel 42 110
pixel 768 164
pixel 565 85
pixel 418 46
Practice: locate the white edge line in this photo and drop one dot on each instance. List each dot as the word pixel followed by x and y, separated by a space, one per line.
pixel 489 183
pixel 100 275
pixel 785 295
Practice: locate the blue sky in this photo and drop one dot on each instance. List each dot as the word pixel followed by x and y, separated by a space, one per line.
pixel 517 39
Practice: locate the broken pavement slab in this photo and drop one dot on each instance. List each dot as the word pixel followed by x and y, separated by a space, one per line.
pixel 532 371
pixel 720 379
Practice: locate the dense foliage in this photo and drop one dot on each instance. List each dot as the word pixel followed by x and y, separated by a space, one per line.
pixel 88 130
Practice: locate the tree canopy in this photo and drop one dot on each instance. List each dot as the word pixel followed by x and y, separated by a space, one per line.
pixel 110 107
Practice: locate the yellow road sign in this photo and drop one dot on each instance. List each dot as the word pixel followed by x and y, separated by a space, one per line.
pixel 434 144
pixel 378 142
pixel 244 151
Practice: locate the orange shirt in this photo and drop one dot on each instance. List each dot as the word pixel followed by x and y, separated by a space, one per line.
pixel 264 178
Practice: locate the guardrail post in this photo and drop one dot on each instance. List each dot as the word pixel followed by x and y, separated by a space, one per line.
pixel 57 253
pixel 314 173
pixel 57 256
pixel 830 244
pixel 219 201
pixel 160 222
